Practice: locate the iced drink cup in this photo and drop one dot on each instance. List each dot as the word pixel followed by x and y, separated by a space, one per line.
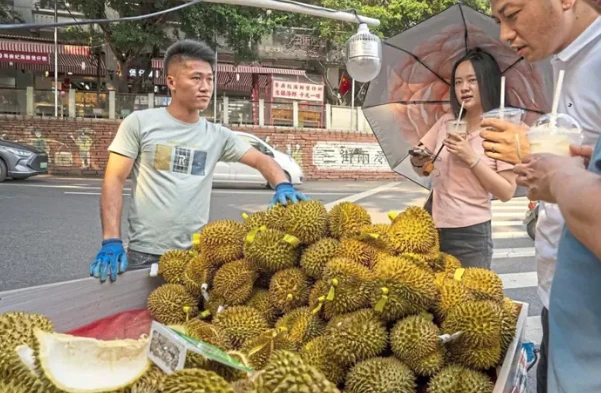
pixel 456 128
pixel 555 137
pixel 512 115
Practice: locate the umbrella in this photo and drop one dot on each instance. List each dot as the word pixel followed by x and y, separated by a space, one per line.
pixel 412 90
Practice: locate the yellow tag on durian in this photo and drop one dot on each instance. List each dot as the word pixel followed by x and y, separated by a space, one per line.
pixel 252 234
pixel 332 291
pixel 196 239
pixel 392 215
pixel 205 314
pixel 317 309
pixel 458 274
pixel 382 302
pixel 292 240
pixel 187 311
pixel 244 216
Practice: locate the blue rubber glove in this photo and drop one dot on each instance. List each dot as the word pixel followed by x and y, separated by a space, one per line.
pixel 284 192
pixel 111 256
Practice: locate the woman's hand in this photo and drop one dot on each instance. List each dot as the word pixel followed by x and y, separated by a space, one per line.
pixel 461 148
pixel 419 161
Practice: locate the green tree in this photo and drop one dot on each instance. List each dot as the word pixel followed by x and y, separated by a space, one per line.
pixel 133 43
pixel 8 15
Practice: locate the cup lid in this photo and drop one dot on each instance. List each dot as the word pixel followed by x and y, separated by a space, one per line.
pixel 506 111
pixel 561 122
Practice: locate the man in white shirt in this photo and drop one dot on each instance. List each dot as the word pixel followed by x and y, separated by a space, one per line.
pixel 568 31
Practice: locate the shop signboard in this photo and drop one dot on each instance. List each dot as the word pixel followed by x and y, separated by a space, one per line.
pixel 24 57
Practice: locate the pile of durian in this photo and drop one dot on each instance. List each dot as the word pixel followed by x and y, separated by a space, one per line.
pixel 312 301
pixel 318 301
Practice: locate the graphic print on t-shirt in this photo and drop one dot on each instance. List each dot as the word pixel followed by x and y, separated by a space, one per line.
pixel 178 159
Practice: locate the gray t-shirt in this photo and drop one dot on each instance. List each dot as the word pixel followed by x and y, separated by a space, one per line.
pixel 172 176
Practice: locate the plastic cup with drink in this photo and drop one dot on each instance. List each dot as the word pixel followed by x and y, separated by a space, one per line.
pixel 456 127
pixel 554 134
pixel 512 115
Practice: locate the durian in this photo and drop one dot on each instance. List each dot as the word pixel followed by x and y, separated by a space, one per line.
pixel 198 272
pixel 474 357
pixel 484 284
pixel 16 328
pixel 255 220
pixel 452 293
pixel 509 322
pixel 82 364
pixel 259 300
pixel 206 332
pixel 348 219
pixel 414 340
pixel 222 241
pixel 172 266
pixel 413 231
pixel 449 263
pixel 170 304
pixel 260 349
pixel 356 336
pixel 349 287
pixel 240 323
pixel 195 381
pixel 314 353
pixel 380 375
pixel 401 289
pixel 289 289
pixel 457 379
pixel 234 282
pixel 479 322
pixel 151 382
pixel 275 217
pixel 357 251
pixel 317 255
pixel 286 372
pixel 271 250
pixel 306 220
pixel 301 325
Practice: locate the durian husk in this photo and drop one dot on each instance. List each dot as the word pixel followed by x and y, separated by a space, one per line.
pixel 314 353
pixel 199 271
pixel 195 380
pixel 306 220
pixel 271 250
pixel 347 219
pixel 259 300
pixel 171 304
pixel 234 282
pixel 413 231
pixel 222 241
pixel 286 372
pixel 240 323
pixel 357 251
pixel 380 375
pixel 315 257
pixel 172 266
pixel 302 326
pixel 289 289
pixel 479 322
pixel 455 379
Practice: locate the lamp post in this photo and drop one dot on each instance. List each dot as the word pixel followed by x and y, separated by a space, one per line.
pixel 55 59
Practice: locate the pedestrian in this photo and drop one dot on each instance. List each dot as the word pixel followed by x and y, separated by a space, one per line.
pixel 568 31
pixel 173 152
pixel 464 178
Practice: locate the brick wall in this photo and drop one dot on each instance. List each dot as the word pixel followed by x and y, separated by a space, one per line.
pixel 79 147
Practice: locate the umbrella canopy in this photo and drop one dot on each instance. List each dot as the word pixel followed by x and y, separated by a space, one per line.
pixel 412 90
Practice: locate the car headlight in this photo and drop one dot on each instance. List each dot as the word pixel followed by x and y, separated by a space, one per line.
pixel 19 152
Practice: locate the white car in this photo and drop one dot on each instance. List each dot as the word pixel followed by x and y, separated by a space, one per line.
pixel 235 172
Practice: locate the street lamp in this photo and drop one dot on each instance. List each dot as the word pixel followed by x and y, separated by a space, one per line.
pixel 364 55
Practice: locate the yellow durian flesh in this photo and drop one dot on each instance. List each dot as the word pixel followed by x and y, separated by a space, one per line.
pixel 87 365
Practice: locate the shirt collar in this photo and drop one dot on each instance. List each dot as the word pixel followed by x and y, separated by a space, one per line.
pixel 587 36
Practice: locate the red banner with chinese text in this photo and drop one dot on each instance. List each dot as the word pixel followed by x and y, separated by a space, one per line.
pixel 24 57
pixel 298 91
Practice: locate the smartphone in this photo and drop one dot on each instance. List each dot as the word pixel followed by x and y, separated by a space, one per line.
pixel 419 152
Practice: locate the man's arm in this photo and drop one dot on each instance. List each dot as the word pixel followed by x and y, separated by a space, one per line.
pixel 266 165
pixel 111 201
pixel 577 195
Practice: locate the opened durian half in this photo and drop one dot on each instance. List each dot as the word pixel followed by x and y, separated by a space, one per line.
pixel 86 365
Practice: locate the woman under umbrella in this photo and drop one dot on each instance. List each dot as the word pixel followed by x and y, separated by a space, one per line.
pixel 464 177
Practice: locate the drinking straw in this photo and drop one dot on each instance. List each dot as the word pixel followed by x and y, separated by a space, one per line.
pixel 502 108
pixel 459 117
pixel 556 98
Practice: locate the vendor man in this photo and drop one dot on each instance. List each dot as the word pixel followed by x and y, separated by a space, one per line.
pixel 173 152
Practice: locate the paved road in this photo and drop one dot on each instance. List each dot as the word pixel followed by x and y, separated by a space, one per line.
pixel 49 230
pixel 50 227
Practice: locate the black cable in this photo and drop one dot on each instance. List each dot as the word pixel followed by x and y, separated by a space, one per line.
pixel 97 21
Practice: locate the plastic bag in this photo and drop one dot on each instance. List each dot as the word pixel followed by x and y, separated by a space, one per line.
pixel 125 325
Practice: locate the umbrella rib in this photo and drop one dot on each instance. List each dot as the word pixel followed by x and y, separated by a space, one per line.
pixel 407 103
pixel 513 65
pixel 418 60
pixel 465 39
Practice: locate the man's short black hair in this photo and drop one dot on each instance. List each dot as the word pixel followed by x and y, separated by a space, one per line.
pixel 188 50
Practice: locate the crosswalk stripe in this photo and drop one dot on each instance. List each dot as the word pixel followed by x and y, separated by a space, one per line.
pixel 534 329
pixel 520 252
pixel 504 214
pixel 519 280
pixel 503 208
pixel 510 223
pixel 511 235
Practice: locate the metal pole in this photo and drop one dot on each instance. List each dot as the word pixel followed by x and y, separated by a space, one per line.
pixel 55 59
pixel 298 8
pixel 353 107
pixel 215 85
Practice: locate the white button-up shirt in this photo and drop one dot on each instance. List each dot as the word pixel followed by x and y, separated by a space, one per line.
pixel 581 99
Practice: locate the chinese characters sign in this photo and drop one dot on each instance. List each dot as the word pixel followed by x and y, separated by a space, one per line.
pixel 24 57
pixel 350 157
pixel 297 91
